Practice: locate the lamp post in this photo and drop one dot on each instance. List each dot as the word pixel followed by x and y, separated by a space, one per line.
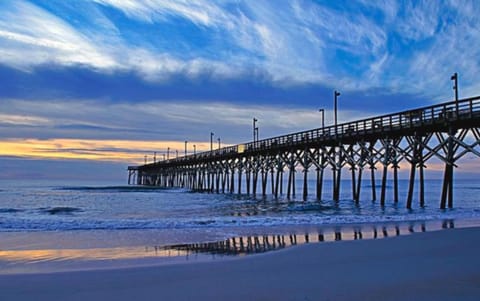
pixel 254 128
pixel 145 157
pixel 194 149
pixel 186 148
pixel 168 153
pixel 154 157
pixel 211 141
pixel 218 143
pixel 176 154
pixel 323 117
pixel 336 94
pixel 455 88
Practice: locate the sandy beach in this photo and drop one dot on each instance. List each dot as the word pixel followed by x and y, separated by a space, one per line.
pixel 440 265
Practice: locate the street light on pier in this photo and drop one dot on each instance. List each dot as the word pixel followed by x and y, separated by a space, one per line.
pixel 176 156
pixel 255 129
pixel 323 117
pixel 154 157
pixel 211 141
pixel 168 153
pixel 195 149
pixel 455 88
pixel 145 157
pixel 186 148
pixel 336 94
pixel 218 143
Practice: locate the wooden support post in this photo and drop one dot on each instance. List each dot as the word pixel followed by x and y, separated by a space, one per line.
pixel 447 190
pixel 395 181
pixel 281 182
pixel 227 180
pixel 412 174
pixel 264 181
pixel 255 180
pixel 421 175
pixel 272 179
pixel 239 180
pixel 305 183
pixel 352 168
pixel 208 179
pixel 232 180
pixel 247 179
pixel 224 177
pixel 334 181
pixel 198 180
pixel 319 183
pixel 293 181
pixel 354 183
pixel 290 179
pixel 277 181
pixel 372 172
pixel 386 159
pixel 212 175
pixel 338 174
pixel 384 183
pixel 359 184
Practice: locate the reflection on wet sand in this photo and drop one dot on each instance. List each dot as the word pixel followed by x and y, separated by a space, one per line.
pixel 235 246
pixel 246 245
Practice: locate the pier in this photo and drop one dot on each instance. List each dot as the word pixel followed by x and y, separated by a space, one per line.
pixel 446 132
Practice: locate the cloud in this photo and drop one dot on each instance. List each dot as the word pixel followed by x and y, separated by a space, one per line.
pixel 125 151
pixel 199 12
pixel 157 121
pixel 356 46
pixel 26 28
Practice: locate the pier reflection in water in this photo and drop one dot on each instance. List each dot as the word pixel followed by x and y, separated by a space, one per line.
pixel 246 245
pixel 32 260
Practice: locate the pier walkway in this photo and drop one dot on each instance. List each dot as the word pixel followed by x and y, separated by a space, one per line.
pixel 446 131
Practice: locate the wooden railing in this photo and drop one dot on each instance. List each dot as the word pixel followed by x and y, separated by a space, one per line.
pixel 465 109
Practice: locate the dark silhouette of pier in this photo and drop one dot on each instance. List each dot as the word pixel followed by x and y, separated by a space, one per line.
pixel 446 131
pixel 254 244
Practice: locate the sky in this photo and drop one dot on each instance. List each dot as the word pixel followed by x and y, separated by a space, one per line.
pixel 97 85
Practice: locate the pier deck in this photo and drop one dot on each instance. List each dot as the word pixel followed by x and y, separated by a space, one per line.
pixel 446 131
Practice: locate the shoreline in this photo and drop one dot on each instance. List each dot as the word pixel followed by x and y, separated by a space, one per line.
pixel 438 265
pixel 52 252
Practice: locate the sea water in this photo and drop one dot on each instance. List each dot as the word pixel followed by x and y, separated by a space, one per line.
pixel 32 206
pixel 61 226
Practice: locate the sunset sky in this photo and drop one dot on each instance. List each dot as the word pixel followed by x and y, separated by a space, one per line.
pixel 89 87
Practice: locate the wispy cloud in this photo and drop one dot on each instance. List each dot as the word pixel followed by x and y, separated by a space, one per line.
pixel 388 46
pixel 31 36
pixel 124 151
pixel 156 121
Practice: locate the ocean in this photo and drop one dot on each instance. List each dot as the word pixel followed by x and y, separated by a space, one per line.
pixel 32 206
pixel 45 222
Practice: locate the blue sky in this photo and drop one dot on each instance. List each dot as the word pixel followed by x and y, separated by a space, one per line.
pixel 170 71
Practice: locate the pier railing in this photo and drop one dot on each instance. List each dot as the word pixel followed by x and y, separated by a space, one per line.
pixel 439 116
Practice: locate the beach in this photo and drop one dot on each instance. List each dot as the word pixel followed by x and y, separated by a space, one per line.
pixel 439 265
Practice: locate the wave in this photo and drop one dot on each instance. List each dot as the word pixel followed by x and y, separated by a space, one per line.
pixel 61 210
pixel 471 188
pixel 222 224
pixel 114 188
pixel 9 210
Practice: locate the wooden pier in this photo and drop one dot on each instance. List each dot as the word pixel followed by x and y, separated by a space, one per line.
pixel 446 131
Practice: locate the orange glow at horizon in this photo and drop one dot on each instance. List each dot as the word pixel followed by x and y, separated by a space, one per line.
pixel 133 152
pixel 96 150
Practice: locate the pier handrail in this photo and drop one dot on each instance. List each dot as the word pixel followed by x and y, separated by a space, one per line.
pixel 452 111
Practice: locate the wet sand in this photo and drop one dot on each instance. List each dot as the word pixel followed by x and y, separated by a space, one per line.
pixel 441 265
